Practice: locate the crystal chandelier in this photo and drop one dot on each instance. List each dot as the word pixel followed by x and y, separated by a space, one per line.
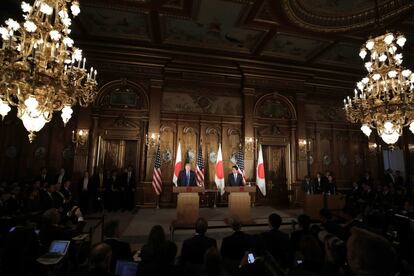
pixel 41 71
pixel 384 99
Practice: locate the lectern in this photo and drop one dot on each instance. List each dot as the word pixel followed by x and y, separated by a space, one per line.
pixel 239 202
pixel 313 204
pixel 187 204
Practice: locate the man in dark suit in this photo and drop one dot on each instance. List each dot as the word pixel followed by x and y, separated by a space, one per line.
pixel 319 183
pixel 61 177
pixel 120 250
pixel 235 178
pixel 47 200
pixel 195 248
pixel 85 185
pixel 186 177
pixel 307 185
pixel 44 176
pixel 129 185
pixel 276 242
pixel 304 222
pixel 237 244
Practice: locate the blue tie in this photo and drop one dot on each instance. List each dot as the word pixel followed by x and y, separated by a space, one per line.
pixel 188 179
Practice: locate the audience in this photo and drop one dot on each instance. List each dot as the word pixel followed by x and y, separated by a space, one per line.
pixel 375 237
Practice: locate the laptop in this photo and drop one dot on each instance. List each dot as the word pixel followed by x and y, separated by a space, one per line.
pixel 57 251
pixel 126 268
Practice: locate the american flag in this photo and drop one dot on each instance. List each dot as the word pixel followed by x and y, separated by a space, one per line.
pixel 156 176
pixel 240 163
pixel 200 167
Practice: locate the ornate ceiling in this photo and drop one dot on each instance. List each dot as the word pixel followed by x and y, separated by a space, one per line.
pixel 317 34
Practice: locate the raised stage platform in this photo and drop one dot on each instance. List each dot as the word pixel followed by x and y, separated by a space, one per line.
pixel 136 225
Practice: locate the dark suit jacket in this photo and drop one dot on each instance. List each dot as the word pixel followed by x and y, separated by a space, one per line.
pixel 320 184
pixel 278 245
pixel 308 188
pixel 232 182
pixel 194 249
pixel 182 178
pixel 128 185
pixel 46 200
pixel 120 251
pixel 235 246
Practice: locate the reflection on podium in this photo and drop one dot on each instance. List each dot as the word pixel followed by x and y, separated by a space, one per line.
pixel 240 203
pixel 187 204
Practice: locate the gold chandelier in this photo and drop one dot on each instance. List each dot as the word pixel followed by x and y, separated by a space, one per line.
pixel 41 70
pixel 384 99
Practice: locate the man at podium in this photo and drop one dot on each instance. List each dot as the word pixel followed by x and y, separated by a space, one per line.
pixel 186 177
pixel 235 178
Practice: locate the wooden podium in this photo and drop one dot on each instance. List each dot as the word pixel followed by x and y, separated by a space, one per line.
pixel 313 205
pixel 315 202
pixel 239 202
pixel 187 204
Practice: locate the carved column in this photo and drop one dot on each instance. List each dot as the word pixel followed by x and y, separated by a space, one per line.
pixel 249 102
pixel 155 96
pixel 93 148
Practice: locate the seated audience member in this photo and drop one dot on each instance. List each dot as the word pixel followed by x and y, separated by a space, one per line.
pixel 310 260
pixel 213 263
pixel 330 224
pixel 33 199
pixel 85 190
pixel 194 248
pixel 55 227
pixel 67 194
pixel 276 242
pixel 234 247
pixel 120 250
pixel 20 251
pixel 46 197
pixel 157 255
pixel 58 197
pixel 100 260
pixel 295 237
pixel 370 255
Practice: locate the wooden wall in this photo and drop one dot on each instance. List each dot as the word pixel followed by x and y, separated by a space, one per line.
pixel 214 105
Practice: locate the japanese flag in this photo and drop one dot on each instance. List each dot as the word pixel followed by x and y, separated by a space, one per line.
pixel 219 177
pixel 260 173
pixel 177 167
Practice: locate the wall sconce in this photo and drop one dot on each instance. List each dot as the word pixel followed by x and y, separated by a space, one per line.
pixel 372 146
pixel 80 137
pixel 411 147
pixel 304 145
pixel 152 139
pixel 250 143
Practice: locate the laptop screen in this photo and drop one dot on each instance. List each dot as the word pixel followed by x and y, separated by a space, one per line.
pixel 59 247
pixel 126 268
